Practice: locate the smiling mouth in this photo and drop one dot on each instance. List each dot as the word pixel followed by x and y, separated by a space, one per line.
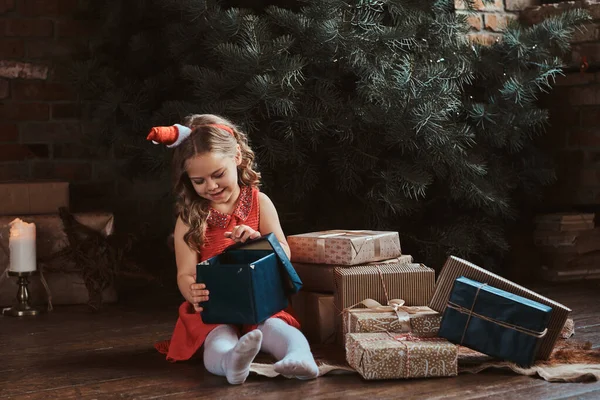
pixel 220 192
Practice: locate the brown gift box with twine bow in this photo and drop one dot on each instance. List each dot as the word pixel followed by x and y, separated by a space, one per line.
pixel 339 247
pixel 412 282
pixel 393 356
pixel 394 318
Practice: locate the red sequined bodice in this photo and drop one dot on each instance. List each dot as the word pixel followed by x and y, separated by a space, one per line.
pixel 246 212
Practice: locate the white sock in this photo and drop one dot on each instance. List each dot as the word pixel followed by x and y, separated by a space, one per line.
pixel 288 345
pixel 227 356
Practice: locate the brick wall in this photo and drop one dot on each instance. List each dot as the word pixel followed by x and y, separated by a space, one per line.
pixel 41 136
pixel 573 135
pixel 489 19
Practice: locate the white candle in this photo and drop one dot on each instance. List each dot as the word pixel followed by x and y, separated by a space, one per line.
pixel 22 246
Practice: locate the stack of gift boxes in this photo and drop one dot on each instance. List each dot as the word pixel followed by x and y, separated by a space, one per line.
pixel 396 321
pixel 569 245
pixel 38 203
pixel 340 268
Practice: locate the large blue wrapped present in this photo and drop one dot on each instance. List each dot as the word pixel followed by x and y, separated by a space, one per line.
pixel 494 322
pixel 248 282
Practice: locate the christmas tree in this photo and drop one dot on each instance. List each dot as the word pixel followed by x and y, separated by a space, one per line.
pixel 375 114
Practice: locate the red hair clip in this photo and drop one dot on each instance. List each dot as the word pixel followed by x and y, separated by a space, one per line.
pixel 221 126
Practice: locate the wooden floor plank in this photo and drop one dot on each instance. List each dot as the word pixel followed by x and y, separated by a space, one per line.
pixel 593 395
pixel 560 391
pixel 72 353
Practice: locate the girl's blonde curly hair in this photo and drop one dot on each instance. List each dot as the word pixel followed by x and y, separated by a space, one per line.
pixel 191 208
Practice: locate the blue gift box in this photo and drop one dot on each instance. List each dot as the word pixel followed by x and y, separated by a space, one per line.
pixel 248 282
pixel 494 322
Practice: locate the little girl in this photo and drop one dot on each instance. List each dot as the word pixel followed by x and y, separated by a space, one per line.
pixel 219 204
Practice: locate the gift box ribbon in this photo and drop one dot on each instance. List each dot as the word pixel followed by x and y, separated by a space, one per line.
pixel 402 338
pixel 395 305
pixel 368 237
pixel 471 313
pixel 407 337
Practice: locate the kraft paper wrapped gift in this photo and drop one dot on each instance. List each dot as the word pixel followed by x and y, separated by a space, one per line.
pixel 66 288
pixel 413 283
pixel 248 282
pixel 456 267
pixel 392 356
pixel 395 318
pixel 26 198
pixel 316 313
pixel 494 322
pixel 339 247
pixel 319 277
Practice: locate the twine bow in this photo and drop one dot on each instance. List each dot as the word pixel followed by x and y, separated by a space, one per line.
pixel 395 305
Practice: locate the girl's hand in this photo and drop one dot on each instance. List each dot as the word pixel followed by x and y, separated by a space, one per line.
pixel 241 233
pixel 198 294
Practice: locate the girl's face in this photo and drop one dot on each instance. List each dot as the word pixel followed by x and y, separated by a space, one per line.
pixel 214 176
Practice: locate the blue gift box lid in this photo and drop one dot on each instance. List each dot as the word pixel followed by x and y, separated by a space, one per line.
pixel 270 242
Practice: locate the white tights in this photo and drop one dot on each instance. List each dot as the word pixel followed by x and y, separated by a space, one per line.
pixel 226 355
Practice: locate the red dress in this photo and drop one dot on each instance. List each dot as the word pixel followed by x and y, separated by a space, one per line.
pixel 190 332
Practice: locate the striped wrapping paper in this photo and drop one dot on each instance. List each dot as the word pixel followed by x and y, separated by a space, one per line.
pixel 413 283
pixel 319 277
pixel 456 267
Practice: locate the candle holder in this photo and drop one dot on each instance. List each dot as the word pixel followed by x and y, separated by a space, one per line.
pixel 22 308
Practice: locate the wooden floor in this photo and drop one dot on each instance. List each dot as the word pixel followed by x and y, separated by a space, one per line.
pixel 74 354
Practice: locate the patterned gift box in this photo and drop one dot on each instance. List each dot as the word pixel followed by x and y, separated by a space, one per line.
pixel 494 322
pixel 339 247
pixel 319 277
pixel 456 267
pixel 395 318
pixel 389 356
